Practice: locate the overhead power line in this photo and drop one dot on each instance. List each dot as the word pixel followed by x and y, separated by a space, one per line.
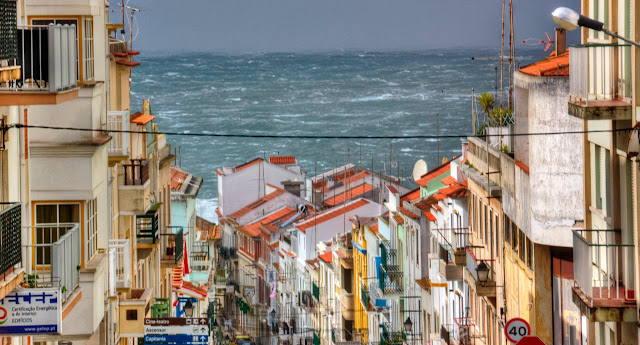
pixel 358 137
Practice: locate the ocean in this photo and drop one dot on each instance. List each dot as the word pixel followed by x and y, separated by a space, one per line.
pixel 332 93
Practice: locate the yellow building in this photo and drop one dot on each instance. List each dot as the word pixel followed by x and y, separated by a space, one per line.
pixel 361 298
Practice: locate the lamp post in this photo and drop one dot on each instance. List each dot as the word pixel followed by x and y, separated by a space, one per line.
pixel 483 272
pixel 188 308
pixel 569 19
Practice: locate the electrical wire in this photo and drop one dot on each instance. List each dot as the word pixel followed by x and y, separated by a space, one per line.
pixel 337 137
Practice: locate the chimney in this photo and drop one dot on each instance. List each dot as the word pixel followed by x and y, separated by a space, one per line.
pixel 561 41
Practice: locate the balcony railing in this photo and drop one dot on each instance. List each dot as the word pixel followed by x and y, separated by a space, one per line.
pixel 199 257
pixel 10 238
pixel 147 227
pixel 117 122
pixel 603 268
pixel 48 56
pixel 487 288
pixel 53 257
pixel 390 277
pixel 136 173
pixel 599 72
pixel 119 265
pixel 390 338
pixel 172 243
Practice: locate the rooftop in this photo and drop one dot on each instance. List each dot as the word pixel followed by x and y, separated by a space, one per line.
pixel 282 215
pixel 282 159
pixel 254 205
pixel 349 194
pixel 326 257
pixel 553 66
pixel 331 214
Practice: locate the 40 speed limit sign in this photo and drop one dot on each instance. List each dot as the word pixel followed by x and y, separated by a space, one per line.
pixel 517 329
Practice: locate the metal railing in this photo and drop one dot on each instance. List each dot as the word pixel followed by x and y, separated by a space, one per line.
pixel 199 256
pixel 136 173
pixel 603 267
pixel 473 261
pixel 172 243
pixel 390 278
pixel 599 72
pixel 119 265
pixel 48 58
pixel 10 237
pixel 118 121
pixel 53 257
pixel 147 227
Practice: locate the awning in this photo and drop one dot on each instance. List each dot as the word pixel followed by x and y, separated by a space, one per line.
pixel 191 290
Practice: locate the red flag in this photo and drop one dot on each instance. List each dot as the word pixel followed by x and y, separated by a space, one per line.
pixel 185 266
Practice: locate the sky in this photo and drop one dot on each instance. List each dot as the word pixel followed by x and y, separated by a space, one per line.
pixel 233 26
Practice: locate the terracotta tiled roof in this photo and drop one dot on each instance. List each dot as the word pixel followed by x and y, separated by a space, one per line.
pixel 127 63
pixel 356 177
pixel 350 194
pixel 398 219
pixel 392 189
pixel 374 228
pixel 282 159
pixel 433 174
pixel 218 212
pixel 253 229
pixel 425 204
pixel 120 54
pixel 249 163
pixel 177 178
pixel 326 257
pixel 430 216
pixel 408 213
pixel 465 183
pixel 412 195
pixel 330 214
pixel 439 196
pixel 551 66
pixel 211 231
pixel 437 207
pixel 449 180
pixel 252 206
pixel 453 191
pixel 141 119
pixel 219 172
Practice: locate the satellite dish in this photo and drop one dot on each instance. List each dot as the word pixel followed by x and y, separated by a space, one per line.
pixel 419 169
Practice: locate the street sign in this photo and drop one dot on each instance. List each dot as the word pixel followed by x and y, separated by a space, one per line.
pixel 176 321
pixel 517 329
pixel 176 338
pixel 531 340
pixel 186 329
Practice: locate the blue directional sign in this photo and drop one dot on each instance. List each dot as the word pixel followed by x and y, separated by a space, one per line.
pixel 176 339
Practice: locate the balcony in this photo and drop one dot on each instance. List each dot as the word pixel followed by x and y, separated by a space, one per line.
pixel 120 266
pixel 10 248
pixel 464 331
pixel 455 241
pixel 134 187
pixel 483 166
pixel 600 82
pixel 53 257
pixel 448 269
pixel 133 309
pixel 487 288
pixel 172 246
pixel 347 302
pixel 390 338
pixel 228 253
pixel 365 298
pixel 199 257
pixel 48 60
pixel 147 227
pixel 390 277
pixel 604 276
pixel 307 302
pixel 118 146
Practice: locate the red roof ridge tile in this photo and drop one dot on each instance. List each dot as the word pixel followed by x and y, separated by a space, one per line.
pixel 329 214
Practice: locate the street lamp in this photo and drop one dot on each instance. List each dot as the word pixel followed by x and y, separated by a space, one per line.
pixel 227 340
pixel 407 325
pixel 483 272
pixel 569 19
pixel 188 308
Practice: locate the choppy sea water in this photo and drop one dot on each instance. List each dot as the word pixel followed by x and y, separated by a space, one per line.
pixel 341 93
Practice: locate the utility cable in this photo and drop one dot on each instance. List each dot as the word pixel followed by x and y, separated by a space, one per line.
pixel 361 137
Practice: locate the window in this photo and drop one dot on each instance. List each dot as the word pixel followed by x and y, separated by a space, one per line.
pixel 87 48
pixel 491 233
pixel 92 228
pixel 49 218
pixel 132 314
pixel 496 236
pixel 507 229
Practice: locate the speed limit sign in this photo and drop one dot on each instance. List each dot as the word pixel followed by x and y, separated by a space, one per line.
pixel 517 329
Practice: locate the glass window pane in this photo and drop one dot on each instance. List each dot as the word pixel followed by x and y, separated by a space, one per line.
pixel 46 214
pixel 70 213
